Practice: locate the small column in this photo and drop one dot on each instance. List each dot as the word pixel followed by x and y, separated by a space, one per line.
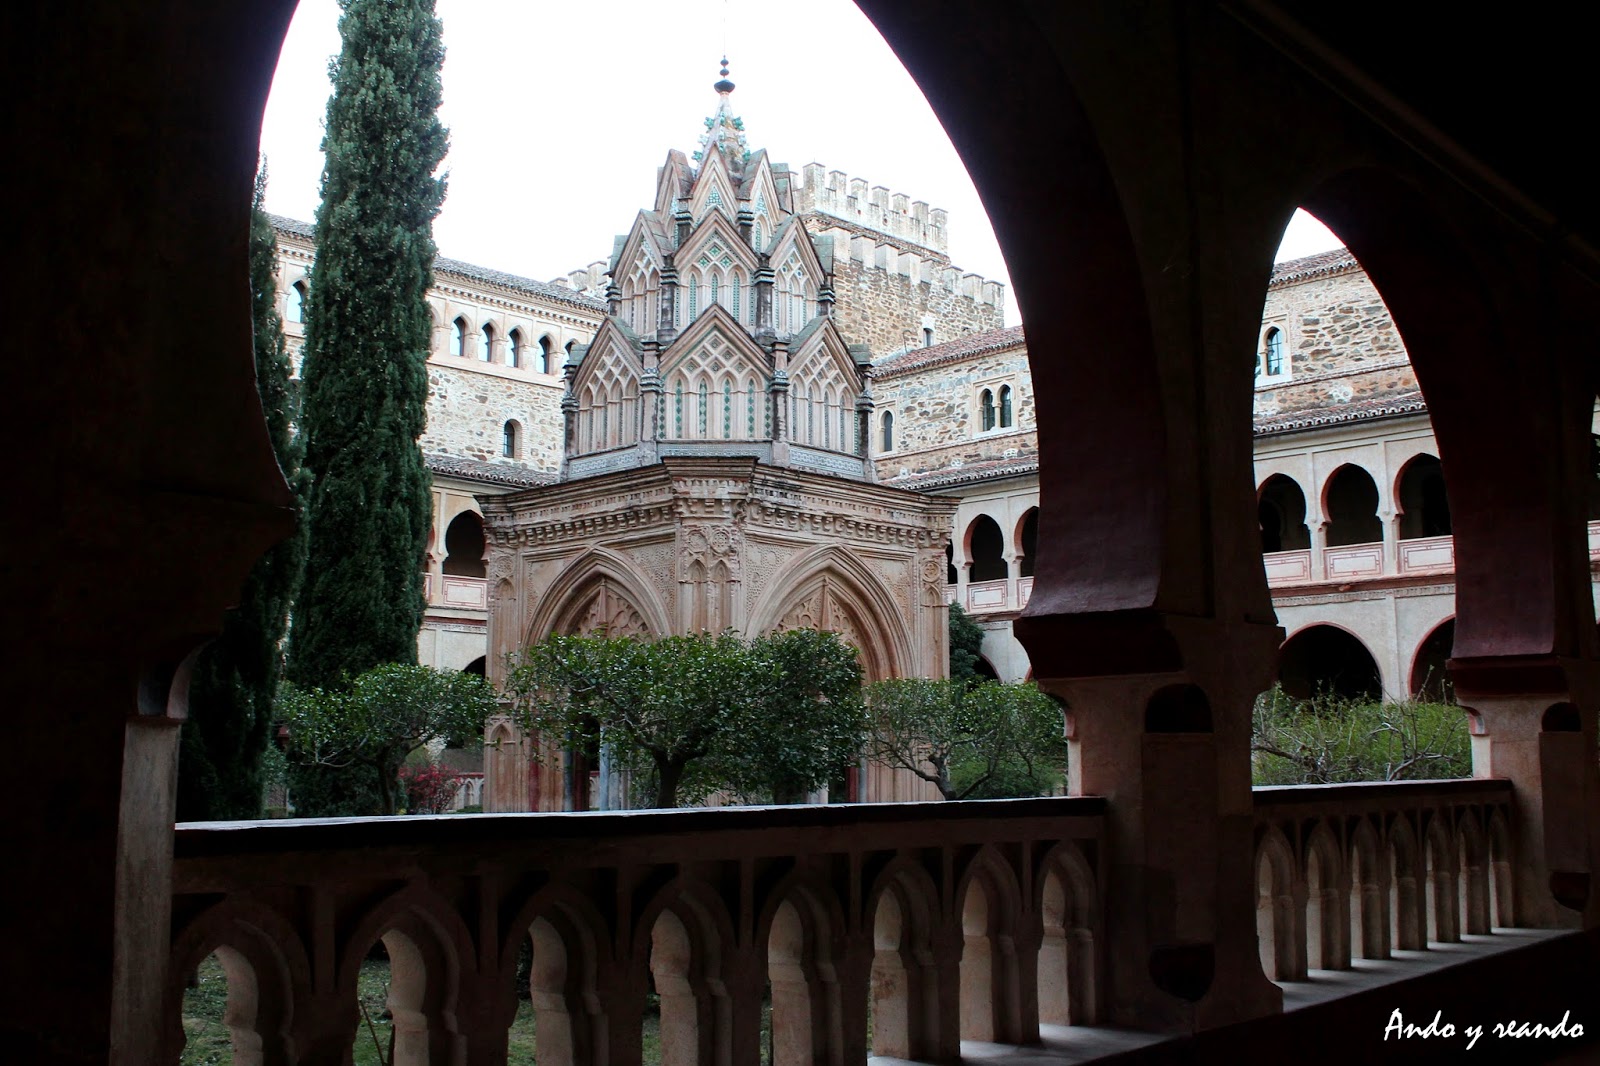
pixel 613 297
pixel 1390 522
pixel 778 396
pixel 825 297
pixel 667 316
pixel 683 221
pixel 764 279
pixel 650 401
pixel 1319 545
pixel 746 222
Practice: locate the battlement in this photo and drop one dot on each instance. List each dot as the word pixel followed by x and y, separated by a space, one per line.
pixel 589 280
pixel 833 192
pixel 850 246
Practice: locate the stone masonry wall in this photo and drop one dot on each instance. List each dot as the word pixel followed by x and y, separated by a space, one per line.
pixel 1341 344
pixel 887 310
pixel 468 409
pixel 937 419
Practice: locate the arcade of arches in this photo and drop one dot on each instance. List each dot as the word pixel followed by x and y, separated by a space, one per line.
pixel 1166 153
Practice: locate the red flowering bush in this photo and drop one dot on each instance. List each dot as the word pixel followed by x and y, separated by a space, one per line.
pixel 429 789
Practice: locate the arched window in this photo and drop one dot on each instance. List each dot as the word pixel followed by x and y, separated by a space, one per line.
pixel 486 353
pixel 511 440
pixel 296 309
pixel 1351 504
pixel 464 545
pixel 1424 508
pixel 986 546
pixel 1005 406
pixel 986 409
pixel 927 336
pixel 1281 509
pixel 547 349
pixel 514 348
pixel 1272 352
pixel 1028 542
pixel 459 344
pixel 888 431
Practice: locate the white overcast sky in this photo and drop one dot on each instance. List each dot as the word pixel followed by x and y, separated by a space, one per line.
pixel 560 113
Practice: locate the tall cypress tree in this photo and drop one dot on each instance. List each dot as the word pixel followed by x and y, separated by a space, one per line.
pixel 236 676
pixel 367 334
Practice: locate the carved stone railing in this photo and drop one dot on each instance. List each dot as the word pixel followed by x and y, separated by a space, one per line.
pixel 940 921
pixel 1427 555
pixel 1352 561
pixel 1363 869
pixel 984 596
pixel 1287 568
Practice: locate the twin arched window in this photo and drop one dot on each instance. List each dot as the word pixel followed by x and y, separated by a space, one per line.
pixel 486 353
pixel 994 412
pixel 547 349
pixel 514 348
pixel 459 342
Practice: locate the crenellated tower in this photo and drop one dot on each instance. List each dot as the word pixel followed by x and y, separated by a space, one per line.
pixel 720 336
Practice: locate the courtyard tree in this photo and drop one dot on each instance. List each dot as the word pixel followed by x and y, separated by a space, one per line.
pixel 236 675
pixel 368 330
pixel 657 706
pixel 1329 739
pixel 984 742
pixel 966 647
pixel 801 720
pixel 772 718
pixel 369 726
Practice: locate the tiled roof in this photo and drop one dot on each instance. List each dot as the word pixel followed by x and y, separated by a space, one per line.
pixel 988 470
pixel 493 473
pixel 1391 406
pixel 548 290
pixel 1322 264
pixel 993 340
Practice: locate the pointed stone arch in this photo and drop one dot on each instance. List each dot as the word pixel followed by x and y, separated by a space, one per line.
pixel 1327 918
pixel 902 911
pixel 684 935
pixel 1278 913
pixel 1067 902
pixel 267 970
pixel 428 946
pixel 572 944
pixel 988 906
pixel 829 588
pixel 1369 893
pixel 802 925
pixel 1407 920
pixel 604 585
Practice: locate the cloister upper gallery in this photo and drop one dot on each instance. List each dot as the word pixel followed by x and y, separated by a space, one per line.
pixel 1138 165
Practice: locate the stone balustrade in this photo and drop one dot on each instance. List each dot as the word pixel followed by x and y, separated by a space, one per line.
pixel 939 921
pixel 1364 869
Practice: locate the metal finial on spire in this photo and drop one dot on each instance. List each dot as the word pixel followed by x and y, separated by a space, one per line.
pixel 724 86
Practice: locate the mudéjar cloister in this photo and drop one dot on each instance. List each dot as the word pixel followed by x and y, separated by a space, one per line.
pixel 1139 164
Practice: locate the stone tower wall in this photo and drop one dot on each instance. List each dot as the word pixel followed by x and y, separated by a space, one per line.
pixel 1340 342
pixel 892 278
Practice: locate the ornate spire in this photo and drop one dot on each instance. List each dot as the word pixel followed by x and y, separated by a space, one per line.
pixel 725 131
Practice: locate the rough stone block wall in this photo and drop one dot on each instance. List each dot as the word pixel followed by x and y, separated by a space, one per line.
pixel 1340 341
pixel 887 310
pixel 937 418
pixel 468 409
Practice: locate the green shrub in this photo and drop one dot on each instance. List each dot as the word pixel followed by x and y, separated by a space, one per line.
pixel 1328 739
